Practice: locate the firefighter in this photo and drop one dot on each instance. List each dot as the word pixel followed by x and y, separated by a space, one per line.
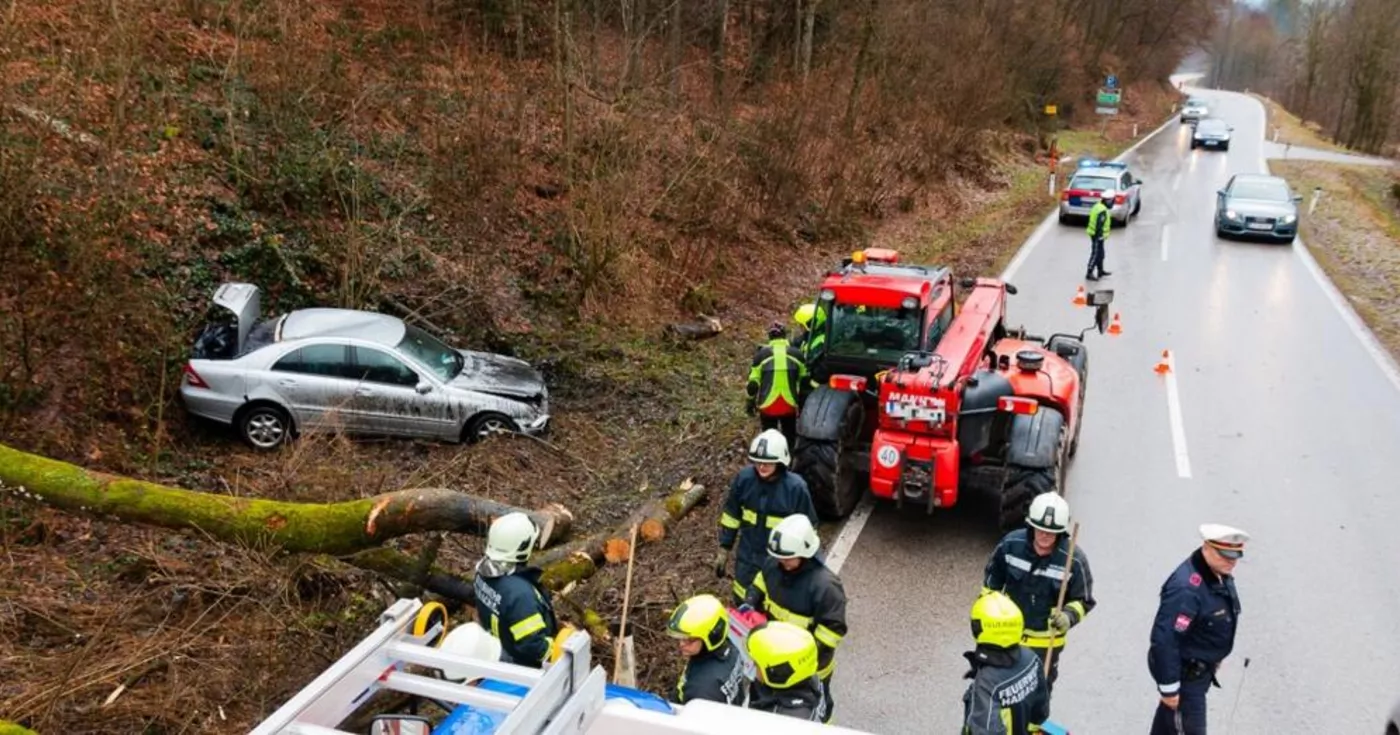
pixel 509 600
pixel 760 496
pixel 777 383
pixel 1100 223
pixel 1194 630
pixel 1028 566
pixel 714 670
pixel 795 586
pixel 1007 695
pixel 786 658
pixel 803 317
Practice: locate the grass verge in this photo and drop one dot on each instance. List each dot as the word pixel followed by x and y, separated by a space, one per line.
pixel 1355 236
pixel 1292 130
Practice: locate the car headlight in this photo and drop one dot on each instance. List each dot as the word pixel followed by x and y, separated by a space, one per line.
pixel 1288 219
pixel 1231 214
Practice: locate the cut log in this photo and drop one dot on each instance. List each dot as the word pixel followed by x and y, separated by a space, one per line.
pixel 326 528
pixel 705 328
pixel 580 559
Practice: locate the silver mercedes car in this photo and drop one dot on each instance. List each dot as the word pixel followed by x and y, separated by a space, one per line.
pixel 353 371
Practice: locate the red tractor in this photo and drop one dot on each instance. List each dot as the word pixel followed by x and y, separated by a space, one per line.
pixel 921 398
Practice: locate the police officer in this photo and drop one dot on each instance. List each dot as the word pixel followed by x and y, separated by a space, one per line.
pixel 509 600
pixel 1195 630
pixel 795 586
pixel 1100 223
pixel 777 383
pixel 1008 695
pixel 1029 564
pixel 714 669
pixel 760 496
pixel 786 658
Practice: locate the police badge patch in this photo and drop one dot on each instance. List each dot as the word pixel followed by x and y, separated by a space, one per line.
pixel 1183 622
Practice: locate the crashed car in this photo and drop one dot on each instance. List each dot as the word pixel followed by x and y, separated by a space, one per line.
pixel 354 371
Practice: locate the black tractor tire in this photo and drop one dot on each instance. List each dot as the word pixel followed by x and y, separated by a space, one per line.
pixel 1079 360
pixel 835 483
pixel 1023 484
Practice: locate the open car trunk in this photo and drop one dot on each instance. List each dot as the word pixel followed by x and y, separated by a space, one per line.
pixel 237 308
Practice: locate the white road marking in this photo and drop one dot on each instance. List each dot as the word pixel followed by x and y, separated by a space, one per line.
pixel 1165 239
pixel 846 540
pixel 1176 182
pixel 1183 460
pixel 1358 327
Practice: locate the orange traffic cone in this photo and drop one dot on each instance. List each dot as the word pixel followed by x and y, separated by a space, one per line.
pixel 1164 365
pixel 1079 299
pixel 1115 326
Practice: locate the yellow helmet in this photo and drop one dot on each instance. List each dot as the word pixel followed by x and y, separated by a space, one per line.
pixel 784 654
pixel 804 314
pixel 703 617
pixel 996 620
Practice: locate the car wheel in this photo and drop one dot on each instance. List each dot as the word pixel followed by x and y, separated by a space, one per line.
pixel 1064 218
pixel 1137 207
pixel 1221 233
pixel 264 426
pixel 1225 147
pixel 487 425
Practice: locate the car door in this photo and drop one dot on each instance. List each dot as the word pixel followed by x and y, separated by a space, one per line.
pixel 312 382
pixel 387 398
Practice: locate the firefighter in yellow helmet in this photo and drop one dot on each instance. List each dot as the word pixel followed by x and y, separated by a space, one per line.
pixel 1007 695
pixel 786 658
pixel 803 317
pixel 713 670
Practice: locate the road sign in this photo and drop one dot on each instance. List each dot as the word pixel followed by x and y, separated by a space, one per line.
pixel 1112 82
pixel 1106 110
pixel 1051 109
pixel 1109 97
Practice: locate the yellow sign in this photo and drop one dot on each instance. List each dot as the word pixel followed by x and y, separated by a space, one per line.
pixel 1051 109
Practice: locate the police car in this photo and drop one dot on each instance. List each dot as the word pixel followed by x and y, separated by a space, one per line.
pixel 1090 180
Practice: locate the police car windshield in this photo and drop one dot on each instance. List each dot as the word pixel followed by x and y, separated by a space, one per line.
pixel 1092 183
pixel 873 333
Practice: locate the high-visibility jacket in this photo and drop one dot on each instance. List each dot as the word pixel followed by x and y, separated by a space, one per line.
pixel 517 612
pixel 776 376
pixel 1100 220
pixel 1033 581
pixel 811 597
pixel 751 510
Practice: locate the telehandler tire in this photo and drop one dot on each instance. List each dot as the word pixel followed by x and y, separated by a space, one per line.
pixel 827 465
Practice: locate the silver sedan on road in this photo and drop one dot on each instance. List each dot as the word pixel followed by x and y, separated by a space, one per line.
pixel 356 371
pixel 1257 205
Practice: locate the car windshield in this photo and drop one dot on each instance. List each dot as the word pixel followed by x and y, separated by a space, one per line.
pixel 1268 191
pixel 1213 126
pixel 1195 103
pixel 872 332
pixel 1092 183
pixel 428 351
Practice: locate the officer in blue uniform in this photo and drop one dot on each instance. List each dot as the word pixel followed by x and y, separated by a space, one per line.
pixel 1195 630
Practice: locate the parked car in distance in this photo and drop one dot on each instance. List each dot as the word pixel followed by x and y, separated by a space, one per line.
pixel 1090 180
pixel 1211 133
pixel 1257 205
pixel 1194 109
pixel 356 371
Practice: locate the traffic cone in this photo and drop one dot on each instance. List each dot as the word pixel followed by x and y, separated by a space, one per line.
pixel 1115 326
pixel 1079 299
pixel 1164 365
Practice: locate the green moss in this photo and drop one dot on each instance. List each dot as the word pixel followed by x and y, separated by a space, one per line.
pixel 10 728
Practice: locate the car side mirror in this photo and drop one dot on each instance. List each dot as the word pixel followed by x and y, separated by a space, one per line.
pixel 1232 127
pixel 400 725
pixel 1297 197
pixel 1220 192
pixel 423 388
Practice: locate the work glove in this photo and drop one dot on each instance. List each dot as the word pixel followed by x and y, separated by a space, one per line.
pixel 745 609
pixel 1059 620
pixel 721 561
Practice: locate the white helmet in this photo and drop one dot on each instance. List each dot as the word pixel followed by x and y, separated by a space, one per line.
pixel 793 537
pixel 770 447
pixel 1049 512
pixel 472 641
pixel 1108 196
pixel 511 538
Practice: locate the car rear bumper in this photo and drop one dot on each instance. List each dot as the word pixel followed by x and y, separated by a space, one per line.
pixel 207 404
pixel 1211 143
pixel 1082 210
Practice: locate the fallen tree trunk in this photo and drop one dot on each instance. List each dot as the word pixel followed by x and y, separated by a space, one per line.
pixel 706 328
pixel 580 559
pixel 325 528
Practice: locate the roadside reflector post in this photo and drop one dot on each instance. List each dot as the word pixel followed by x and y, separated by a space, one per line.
pixel 1317 194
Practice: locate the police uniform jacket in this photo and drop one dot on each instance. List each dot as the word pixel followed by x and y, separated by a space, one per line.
pixel 515 609
pixel 716 675
pixel 811 597
pixel 1033 581
pixel 1195 625
pixel 751 511
pixel 803 701
pixel 1007 694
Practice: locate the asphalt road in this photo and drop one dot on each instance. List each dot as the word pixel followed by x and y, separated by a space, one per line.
pixel 1289 427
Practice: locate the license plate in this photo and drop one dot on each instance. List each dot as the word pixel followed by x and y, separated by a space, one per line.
pixel 1260 226
pixel 1074 201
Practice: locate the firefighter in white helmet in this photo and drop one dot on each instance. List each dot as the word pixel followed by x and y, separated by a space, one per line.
pixel 760 496
pixel 795 586
pixel 509 599
pixel 1028 566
